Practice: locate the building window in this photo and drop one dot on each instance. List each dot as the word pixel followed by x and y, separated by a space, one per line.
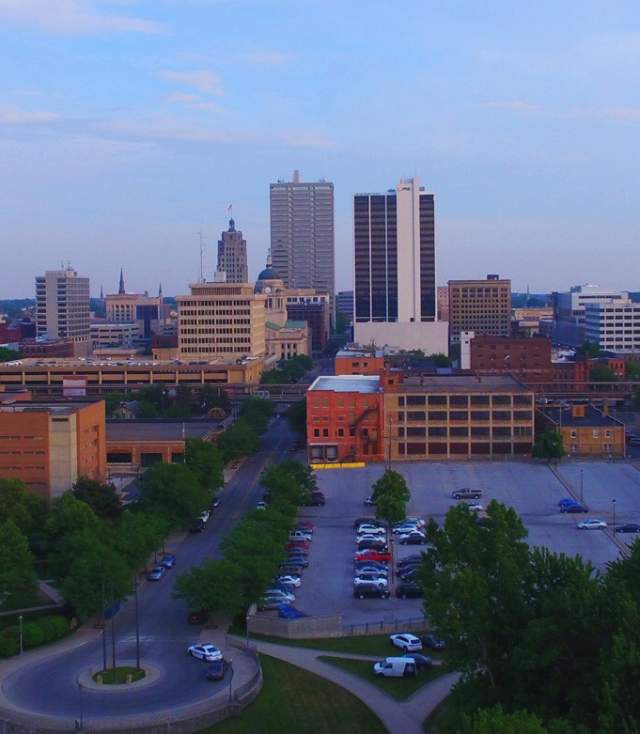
pixel 340 432
pixel 596 434
pixel 316 432
pixel 574 448
pixel 415 399
pixel 573 434
pixel 325 432
pixel 416 415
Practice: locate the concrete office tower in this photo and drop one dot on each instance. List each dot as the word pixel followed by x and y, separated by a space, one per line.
pixel 302 234
pixel 62 307
pixel 481 306
pixel 395 274
pixel 232 255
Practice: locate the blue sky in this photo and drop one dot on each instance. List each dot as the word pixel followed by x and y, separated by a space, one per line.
pixel 127 126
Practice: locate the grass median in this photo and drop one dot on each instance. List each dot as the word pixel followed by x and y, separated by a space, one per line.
pixel 120 676
pixel 295 700
pixel 400 688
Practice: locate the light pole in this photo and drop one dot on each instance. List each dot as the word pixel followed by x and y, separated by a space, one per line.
pixel 230 679
pixel 20 626
pixel 581 485
pixel 613 502
pixel 81 706
pixel 135 586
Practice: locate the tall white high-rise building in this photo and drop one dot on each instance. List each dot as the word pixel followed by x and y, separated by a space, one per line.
pixel 62 306
pixel 395 269
pixel 302 233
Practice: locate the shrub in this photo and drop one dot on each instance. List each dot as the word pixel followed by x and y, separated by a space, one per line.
pixel 54 627
pixel 32 634
pixel 9 644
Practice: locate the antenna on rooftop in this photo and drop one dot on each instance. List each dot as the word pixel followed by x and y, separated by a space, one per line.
pixel 201 258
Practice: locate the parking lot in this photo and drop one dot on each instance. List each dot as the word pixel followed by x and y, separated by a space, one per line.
pixel 532 489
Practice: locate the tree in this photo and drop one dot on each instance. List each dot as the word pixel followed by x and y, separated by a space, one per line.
pixel 494 720
pixel 589 349
pixel 440 360
pixel 602 373
pixel 290 482
pixel 257 411
pixel 206 462
pixel 137 535
pixel 28 511
pixel 101 498
pixel 296 414
pixel 69 515
pixel 549 445
pixel 174 492
pixel 97 574
pixel 213 587
pixel 16 560
pixel 632 371
pixel 391 494
pixel 238 440
pixel 9 355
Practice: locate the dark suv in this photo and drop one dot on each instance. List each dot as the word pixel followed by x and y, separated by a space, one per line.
pixel 370 589
pixel 466 494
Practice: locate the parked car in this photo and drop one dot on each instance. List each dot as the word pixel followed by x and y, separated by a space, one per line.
pixel 409 590
pixel 168 560
pixel 419 521
pixel 413 558
pixel 362 537
pixel 365 578
pixel 373 545
pixel 197 617
pixel 423 662
pixel 317 499
pixel 368 520
pixel 566 501
pixel 287 588
pixel 466 494
pixel 217 669
pixel 404 527
pixel 591 524
pixel 306 525
pixel 291 568
pixel 300 535
pixel 378 568
pixel 409 574
pixel 205 651
pixel 630 527
pixel 406 641
pixel 297 545
pixel 204 516
pixel 284 595
pixel 297 561
pixel 474 506
pixel 415 537
pixel 261 505
pixel 367 527
pixel 291 579
pixel 270 603
pixel 371 554
pixel 215 504
pixel 369 589
pixel 156 573
pixel 368 501
pixel 395 667
pixel 197 526
pixel 573 508
pixel 433 642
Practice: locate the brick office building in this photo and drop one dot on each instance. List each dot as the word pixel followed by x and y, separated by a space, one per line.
pixel 528 359
pixel 367 418
pixel 345 419
pixel 586 431
pixel 49 446
pixel 481 306
pixel 359 362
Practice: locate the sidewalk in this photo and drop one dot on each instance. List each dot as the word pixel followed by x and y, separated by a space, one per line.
pixel 399 717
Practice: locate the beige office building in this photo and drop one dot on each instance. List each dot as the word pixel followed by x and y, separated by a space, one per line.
pixel 221 320
pixel 62 308
pixel 481 306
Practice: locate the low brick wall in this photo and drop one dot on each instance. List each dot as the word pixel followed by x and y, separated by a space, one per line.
pixel 262 624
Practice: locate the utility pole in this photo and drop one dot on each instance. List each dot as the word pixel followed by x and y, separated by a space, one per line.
pixel 135 586
pixel 201 258
pixel 113 639
pixel 581 485
pixel 104 632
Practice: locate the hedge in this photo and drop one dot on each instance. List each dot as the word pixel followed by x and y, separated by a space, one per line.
pixel 34 633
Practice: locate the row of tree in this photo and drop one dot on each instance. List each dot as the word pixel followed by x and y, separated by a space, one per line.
pixel 287 370
pixel 544 642
pixel 160 401
pixel 253 550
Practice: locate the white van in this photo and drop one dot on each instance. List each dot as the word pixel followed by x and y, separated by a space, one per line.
pixel 395 668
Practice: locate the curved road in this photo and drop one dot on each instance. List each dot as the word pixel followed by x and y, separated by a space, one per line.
pixel 49 687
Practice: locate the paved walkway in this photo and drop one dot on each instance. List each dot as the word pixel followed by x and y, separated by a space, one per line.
pixel 399 717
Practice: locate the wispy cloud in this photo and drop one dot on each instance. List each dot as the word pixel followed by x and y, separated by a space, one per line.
pixel 267 58
pixel 203 80
pixel 73 17
pixel 631 114
pixel 22 117
pixel 183 97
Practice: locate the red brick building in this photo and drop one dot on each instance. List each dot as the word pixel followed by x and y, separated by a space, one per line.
pixel 528 359
pixel 354 362
pixel 345 419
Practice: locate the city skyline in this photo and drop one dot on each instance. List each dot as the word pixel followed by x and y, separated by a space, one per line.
pixel 127 128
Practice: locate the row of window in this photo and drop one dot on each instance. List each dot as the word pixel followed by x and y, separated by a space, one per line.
pixel 464 415
pixel 464 432
pixel 463 400
pixel 464 449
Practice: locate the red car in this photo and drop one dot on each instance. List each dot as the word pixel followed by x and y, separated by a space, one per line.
pixel 297 544
pixel 374 555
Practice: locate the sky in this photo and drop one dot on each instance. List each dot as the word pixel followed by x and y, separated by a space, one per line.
pixel 129 126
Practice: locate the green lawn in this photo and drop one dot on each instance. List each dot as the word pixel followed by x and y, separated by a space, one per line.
pixel 294 700
pixel 121 674
pixel 377 645
pixel 400 688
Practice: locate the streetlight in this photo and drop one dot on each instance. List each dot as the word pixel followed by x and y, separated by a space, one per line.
pixel 81 707
pixel 135 586
pixel 20 625
pixel 613 502
pixel 230 679
pixel 581 485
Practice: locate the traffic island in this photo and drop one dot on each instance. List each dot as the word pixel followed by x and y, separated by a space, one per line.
pixel 119 676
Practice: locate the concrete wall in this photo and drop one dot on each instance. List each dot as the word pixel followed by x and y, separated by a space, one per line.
pixel 431 337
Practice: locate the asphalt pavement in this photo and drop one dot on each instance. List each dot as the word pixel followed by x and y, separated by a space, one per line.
pixel 49 686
